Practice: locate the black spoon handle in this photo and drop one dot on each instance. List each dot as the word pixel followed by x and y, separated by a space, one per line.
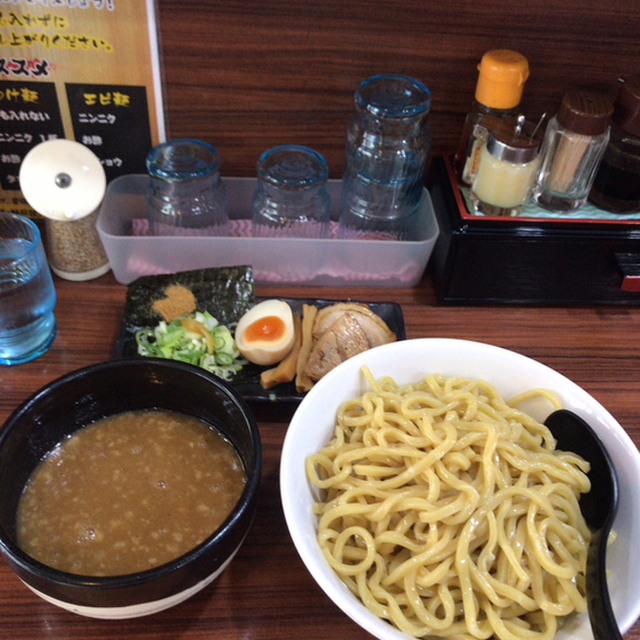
pixel 601 616
pixel 598 507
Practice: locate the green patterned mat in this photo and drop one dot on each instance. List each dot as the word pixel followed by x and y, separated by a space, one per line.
pixel 586 212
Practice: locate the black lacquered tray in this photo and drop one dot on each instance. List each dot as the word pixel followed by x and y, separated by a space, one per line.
pixel 247 381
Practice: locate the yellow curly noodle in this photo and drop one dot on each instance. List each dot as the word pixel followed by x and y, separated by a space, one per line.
pixel 449 513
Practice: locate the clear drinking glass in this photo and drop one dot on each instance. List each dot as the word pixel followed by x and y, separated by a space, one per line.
pixel 186 195
pixel 387 150
pixel 27 294
pixel 291 198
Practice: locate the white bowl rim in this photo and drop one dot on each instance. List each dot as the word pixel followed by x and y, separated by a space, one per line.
pixel 462 358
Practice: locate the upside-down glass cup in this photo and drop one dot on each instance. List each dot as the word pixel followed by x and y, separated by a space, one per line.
pixel 387 150
pixel 27 294
pixel 291 198
pixel 186 196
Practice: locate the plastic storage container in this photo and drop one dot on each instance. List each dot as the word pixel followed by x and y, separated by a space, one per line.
pixel 324 262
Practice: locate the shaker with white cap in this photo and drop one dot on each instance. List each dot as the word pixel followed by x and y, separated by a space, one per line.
pixel 65 182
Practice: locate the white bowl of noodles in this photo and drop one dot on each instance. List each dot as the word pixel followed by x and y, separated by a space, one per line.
pixel 511 374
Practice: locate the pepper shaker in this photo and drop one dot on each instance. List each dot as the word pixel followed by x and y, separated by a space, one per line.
pixel 65 182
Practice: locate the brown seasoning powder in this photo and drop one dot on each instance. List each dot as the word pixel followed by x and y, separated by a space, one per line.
pixel 179 301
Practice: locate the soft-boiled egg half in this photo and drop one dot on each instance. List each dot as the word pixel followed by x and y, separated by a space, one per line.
pixel 265 333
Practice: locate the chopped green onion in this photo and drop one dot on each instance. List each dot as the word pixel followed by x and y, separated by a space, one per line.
pixel 173 341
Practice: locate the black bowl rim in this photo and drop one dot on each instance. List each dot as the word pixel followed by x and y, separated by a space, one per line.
pixel 43 571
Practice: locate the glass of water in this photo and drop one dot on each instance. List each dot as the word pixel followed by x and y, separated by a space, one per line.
pixel 291 198
pixel 27 294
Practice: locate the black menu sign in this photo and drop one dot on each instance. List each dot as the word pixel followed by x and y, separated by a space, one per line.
pixel 87 72
pixel 113 121
pixel 29 114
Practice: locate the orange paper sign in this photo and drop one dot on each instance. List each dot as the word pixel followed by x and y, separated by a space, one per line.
pixel 85 70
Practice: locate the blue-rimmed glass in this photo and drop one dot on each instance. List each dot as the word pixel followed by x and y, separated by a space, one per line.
pixel 291 198
pixel 186 195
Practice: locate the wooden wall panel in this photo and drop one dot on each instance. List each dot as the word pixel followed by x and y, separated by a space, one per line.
pixel 248 74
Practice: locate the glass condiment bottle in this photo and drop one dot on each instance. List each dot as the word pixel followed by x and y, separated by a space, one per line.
pixel 506 169
pixel 186 195
pixel 501 79
pixel 65 182
pixel 573 145
pixel 388 143
pixel 616 187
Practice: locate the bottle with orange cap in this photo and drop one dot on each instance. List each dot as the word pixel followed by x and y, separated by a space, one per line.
pixel 502 74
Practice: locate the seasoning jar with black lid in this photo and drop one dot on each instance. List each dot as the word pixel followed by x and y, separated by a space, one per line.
pixel 574 142
pixel 616 187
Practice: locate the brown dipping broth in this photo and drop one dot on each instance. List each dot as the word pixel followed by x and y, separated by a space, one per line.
pixel 128 493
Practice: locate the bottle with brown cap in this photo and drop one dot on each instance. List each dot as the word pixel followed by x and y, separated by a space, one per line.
pixel 616 187
pixel 573 146
pixel 502 74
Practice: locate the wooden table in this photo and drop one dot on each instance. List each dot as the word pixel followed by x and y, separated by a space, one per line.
pixel 266 592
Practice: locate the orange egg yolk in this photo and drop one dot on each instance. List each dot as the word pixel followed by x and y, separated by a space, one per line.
pixel 267 329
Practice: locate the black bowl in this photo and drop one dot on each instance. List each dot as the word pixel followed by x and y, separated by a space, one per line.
pixel 84 396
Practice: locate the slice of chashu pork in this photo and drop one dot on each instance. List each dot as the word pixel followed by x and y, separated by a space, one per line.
pixel 342 331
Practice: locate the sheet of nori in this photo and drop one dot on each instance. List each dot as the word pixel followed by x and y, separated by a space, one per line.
pixel 225 292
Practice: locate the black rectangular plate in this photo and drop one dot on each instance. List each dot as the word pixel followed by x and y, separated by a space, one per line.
pixel 247 382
